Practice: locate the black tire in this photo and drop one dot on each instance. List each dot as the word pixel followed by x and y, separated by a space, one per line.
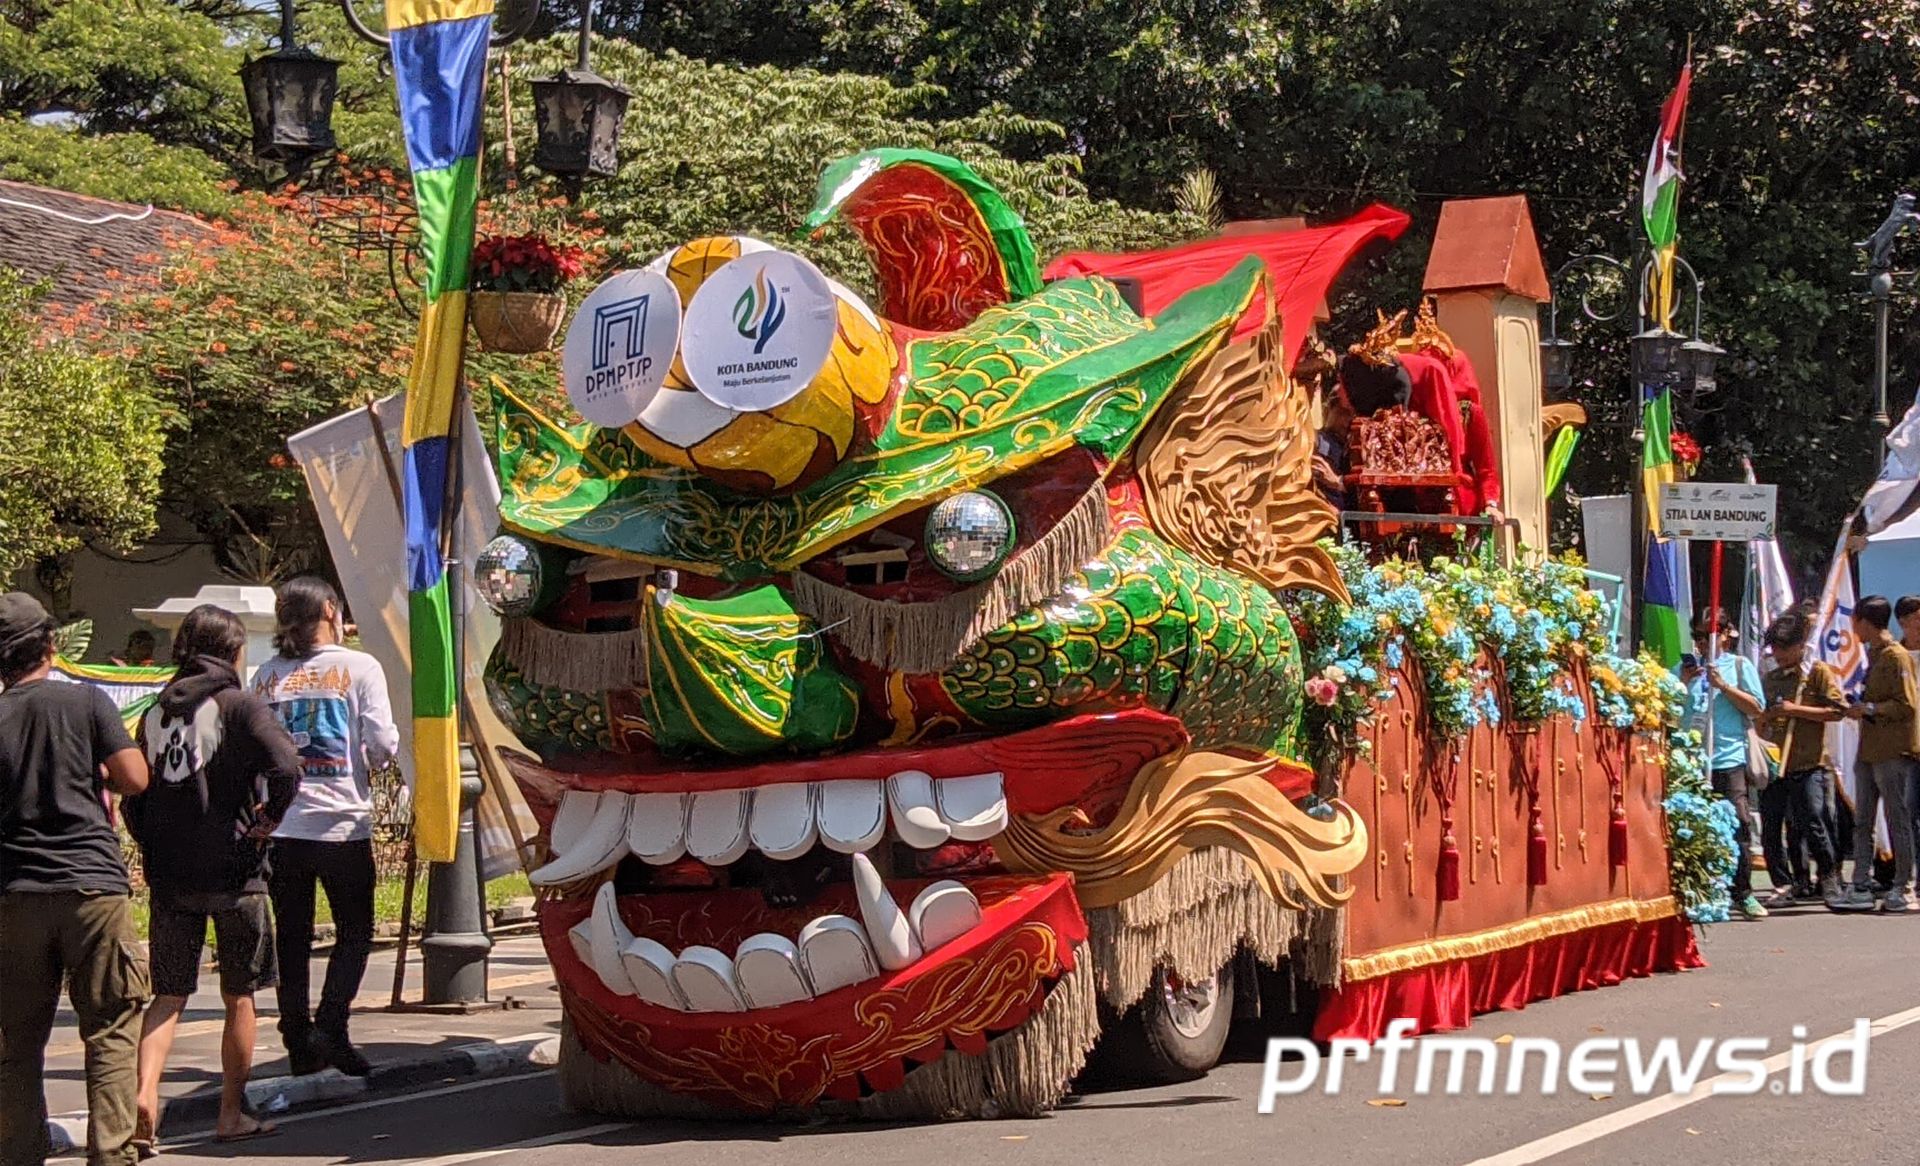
pixel 1169 1036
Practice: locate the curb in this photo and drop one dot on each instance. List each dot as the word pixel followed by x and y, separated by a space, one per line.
pixel 273 1096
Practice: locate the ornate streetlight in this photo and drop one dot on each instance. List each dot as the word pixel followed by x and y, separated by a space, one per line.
pixel 290 95
pixel 577 117
pixel 1880 280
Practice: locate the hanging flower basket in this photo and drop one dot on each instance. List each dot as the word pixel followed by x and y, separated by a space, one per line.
pixel 516 321
pixel 516 305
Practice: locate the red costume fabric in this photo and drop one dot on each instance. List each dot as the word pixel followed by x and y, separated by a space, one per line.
pixel 1446 392
pixel 1302 265
pixel 1447 996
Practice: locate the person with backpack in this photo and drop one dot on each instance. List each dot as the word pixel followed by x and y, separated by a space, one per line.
pixel 224 771
pixel 333 700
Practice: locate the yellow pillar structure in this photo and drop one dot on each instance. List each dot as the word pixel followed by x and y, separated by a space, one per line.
pixel 1487 279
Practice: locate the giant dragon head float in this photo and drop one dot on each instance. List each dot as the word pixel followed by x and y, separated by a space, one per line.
pixel 886 733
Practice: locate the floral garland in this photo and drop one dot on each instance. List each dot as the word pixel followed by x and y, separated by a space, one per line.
pixel 1524 629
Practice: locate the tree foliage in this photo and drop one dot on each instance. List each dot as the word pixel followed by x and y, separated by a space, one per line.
pixel 80 442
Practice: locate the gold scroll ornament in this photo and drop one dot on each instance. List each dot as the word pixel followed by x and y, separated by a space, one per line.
pixel 1181 803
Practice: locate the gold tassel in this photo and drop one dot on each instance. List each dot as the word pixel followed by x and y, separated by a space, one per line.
pixel 926 637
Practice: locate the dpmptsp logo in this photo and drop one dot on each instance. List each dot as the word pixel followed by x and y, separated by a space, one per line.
pixel 1835 1066
pixel 620 346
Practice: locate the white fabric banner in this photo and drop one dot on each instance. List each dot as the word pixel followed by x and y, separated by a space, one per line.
pixel 1889 495
pixel 356 495
pixel 1835 643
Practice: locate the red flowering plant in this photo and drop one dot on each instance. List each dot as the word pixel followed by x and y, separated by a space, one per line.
pixel 1686 451
pixel 523 263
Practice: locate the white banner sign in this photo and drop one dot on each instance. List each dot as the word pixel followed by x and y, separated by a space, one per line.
pixel 1725 511
pixel 620 346
pixel 758 330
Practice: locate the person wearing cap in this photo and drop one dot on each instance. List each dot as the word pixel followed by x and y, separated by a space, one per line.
pixel 65 912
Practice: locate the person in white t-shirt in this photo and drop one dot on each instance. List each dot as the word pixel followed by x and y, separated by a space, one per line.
pixel 333 700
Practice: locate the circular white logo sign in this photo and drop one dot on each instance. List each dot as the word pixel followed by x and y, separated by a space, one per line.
pixel 758 330
pixel 620 346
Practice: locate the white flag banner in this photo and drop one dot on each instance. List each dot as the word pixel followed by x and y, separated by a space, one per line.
pixel 354 489
pixel 1893 490
pixel 1836 645
pixel 1769 589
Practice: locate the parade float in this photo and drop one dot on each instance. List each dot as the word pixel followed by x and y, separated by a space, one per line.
pixel 912 716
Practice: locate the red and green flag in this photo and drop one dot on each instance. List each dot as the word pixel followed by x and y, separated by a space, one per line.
pixel 1660 194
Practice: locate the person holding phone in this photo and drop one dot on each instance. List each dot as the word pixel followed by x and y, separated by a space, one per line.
pixel 1889 714
pixel 1724 696
pixel 1802 698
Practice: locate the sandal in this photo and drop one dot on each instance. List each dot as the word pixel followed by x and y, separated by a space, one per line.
pixel 261 1129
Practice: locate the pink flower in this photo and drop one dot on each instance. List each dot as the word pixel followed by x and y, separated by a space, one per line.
pixel 1322 691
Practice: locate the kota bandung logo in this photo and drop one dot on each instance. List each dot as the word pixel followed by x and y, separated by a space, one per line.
pixel 759 312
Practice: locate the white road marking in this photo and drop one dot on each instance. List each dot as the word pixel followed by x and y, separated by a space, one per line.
pixel 580 1134
pixel 294 1119
pixel 1540 1149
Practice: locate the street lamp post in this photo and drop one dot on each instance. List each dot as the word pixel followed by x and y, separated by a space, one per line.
pixel 1660 359
pixel 1879 249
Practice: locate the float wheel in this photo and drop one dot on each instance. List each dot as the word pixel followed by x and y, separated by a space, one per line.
pixel 1176 1032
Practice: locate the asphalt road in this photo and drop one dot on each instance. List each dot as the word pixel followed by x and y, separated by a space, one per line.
pixel 1806 968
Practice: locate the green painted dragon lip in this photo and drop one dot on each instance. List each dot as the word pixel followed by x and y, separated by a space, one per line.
pixel 1069 366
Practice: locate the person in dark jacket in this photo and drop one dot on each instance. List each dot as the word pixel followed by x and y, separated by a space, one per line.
pixel 224 772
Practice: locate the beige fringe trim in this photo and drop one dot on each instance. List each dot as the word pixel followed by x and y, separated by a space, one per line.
pixel 925 637
pixel 590 1085
pixel 577 661
pixel 1197 917
pixel 1024 1072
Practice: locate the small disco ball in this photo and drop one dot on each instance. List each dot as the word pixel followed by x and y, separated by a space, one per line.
pixel 510 576
pixel 969 536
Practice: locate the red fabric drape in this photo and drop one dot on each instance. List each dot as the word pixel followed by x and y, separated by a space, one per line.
pixel 1302 263
pixel 1447 996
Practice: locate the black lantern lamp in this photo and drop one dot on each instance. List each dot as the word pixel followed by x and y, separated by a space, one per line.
pixel 1659 359
pixel 1702 357
pixel 577 116
pixel 1556 364
pixel 290 99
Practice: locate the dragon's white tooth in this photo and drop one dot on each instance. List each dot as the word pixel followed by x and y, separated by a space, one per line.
pixel 580 938
pixel 717 825
pixel 915 819
pixel 894 944
pixel 767 970
pixel 852 814
pixel 704 976
pixel 649 966
pixel 657 827
pixel 571 819
pixel 609 936
pixel 600 845
pixel 783 820
pixel 943 912
pixel 975 808
pixel 834 953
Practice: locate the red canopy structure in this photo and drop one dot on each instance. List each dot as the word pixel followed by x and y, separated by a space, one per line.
pixel 1302 264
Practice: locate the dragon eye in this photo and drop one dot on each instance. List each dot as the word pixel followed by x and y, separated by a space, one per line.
pixel 969 536
pixel 515 577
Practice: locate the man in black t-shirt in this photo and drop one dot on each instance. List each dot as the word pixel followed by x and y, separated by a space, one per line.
pixel 64 911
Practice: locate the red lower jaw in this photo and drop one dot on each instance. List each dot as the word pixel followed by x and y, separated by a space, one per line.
pixel 860 1038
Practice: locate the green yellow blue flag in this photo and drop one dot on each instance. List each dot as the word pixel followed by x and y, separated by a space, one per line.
pixel 439 70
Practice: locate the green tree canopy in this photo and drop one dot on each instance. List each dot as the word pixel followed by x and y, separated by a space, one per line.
pixel 80 442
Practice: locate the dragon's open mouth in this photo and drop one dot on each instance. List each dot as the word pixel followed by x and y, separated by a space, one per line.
pixel 845 869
